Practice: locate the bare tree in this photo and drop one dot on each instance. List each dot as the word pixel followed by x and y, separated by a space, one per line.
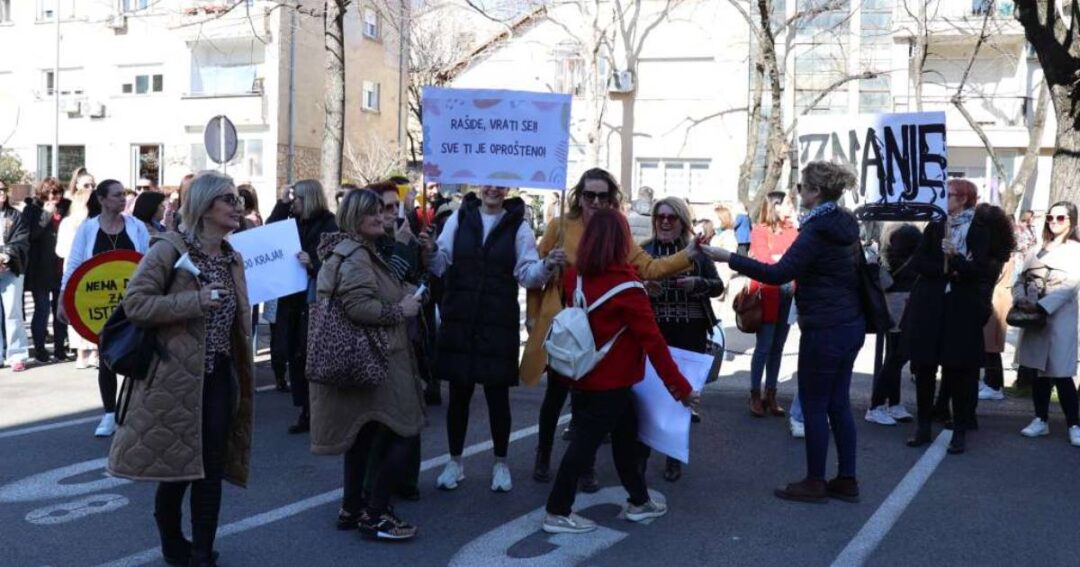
pixel 334 95
pixel 1051 29
pixel 373 160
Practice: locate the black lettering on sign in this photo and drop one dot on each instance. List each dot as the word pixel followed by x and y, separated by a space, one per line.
pixel 263 259
pixel 928 157
pixel 100 313
pixel 100 285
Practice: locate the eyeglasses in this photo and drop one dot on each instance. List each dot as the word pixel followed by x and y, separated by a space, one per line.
pixel 670 219
pixel 593 197
pixel 232 200
pixel 87 185
pixel 1060 219
pixel 390 208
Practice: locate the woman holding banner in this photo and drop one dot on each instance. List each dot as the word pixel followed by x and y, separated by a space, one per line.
pixel 485 251
pixel 306 203
pixel 824 258
pixel 948 307
pixel 109 230
pixel 595 191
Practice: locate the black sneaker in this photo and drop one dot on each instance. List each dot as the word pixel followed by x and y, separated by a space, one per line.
pixel 347 520
pixel 385 526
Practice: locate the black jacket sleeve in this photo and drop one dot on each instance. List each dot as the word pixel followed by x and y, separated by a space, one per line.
pixel 280 212
pixel 791 264
pixel 17 244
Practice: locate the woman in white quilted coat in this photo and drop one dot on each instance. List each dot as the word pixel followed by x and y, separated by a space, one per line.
pixel 189 422
pixel 1048 353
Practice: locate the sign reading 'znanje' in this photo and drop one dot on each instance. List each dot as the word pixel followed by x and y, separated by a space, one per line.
pixel 96 289
pixel 494 137
pixel 900 159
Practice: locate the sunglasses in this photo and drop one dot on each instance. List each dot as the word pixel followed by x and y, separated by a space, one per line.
pixel 232 200
pixel 592 197
pixel 87 186
pixel 670 219
pixel 1060 219
pixel 390 208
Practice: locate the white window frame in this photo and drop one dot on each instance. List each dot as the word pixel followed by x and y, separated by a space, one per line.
pixel 46 10
pixel 133 83
pixel 133 6
pixel 371 23
pixel 48 82
pixel 659 181
pixel 5 11
pixel 374 90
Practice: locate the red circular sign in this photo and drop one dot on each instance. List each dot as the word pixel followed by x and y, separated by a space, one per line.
pixel 96 288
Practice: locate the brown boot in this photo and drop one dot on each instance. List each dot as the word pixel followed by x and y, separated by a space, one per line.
pixel 843 488
pixel 770 403
pixel 756 409
pixel 807 490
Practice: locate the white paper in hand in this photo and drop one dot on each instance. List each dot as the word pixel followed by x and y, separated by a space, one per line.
pixel 270 264
pixel 663 423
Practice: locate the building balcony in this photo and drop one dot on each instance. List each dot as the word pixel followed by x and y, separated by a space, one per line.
pixel 961 20
pixel 222 19
pixel 1002 117
pixel 244 109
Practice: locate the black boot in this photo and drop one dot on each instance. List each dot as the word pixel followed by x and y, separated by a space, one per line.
pixel 958 444
pixel 922 434
pixel 175 549
pixel 542 468
pixel 672 470
pixel 303 423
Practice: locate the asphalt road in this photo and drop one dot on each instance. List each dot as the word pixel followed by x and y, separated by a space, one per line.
pixel 1008 501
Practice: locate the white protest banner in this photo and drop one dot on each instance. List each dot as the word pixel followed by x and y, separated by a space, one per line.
pixel 492 137
pixel 270 263
pixel 900 160
pixel 663 423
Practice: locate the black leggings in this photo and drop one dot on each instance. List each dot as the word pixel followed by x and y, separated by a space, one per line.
pixel 106 380
pixel 292 324
pixel 393 466
pixel 994 371
pixel 958 385
pixel 218 397
pixel 457 416
pixel 1040 395
pixel 887 380
pixel 554 400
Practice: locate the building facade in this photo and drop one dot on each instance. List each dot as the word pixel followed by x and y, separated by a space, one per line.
pixel 139 80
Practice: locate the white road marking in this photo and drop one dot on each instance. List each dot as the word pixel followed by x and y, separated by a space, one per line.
pixel 77 509
pixel 48 427
pixel 862 546
pixel 154 553
pixel 50 484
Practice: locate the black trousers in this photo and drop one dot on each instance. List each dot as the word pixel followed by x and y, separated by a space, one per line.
pixel 291 328
pixel 887 380
pixel 46 303
pixel 218 401
pixel 1041 387
pixel 994 371
pixel 959 385
pixel 457 416
pixel 107 387
pixel 554 399
pixel 743 249
pixel 393 464
pixel 596 414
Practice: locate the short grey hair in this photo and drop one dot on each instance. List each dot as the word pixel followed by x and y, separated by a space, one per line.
pixel 199 198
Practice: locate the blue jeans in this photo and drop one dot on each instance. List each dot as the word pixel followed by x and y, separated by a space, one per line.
pixel 795 411
pixel 769 351
pixel 15 347
pixel 826 358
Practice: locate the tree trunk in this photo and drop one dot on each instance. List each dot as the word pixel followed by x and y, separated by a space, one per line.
pixel 333 142
pixel 1065 175
pixel 776 147
pixel 753 133
pixel 920 53
pixel 1017 190
pixel 626 143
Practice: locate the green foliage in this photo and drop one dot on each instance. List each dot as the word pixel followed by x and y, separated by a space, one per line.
pixel 11 168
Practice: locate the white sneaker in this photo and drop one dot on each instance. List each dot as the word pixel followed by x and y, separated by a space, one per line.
pixel 879 415
pixel 500 478
pixel 900 414
pixel 650 509
pixel 572 524
pixel 451 476
pixel 107 426
pixel 988 393
pixel 1037 428
pixel 797 429
pixel 1074 436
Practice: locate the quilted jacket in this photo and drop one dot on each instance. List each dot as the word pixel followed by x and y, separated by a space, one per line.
pixel 161 437
pixel 354 274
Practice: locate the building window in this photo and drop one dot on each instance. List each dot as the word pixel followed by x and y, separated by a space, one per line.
pixel 688 179
pixel 5 11
pixel 227 67
pixel 48 82
pixel 144 84
pixel 46 9
pixel 71 157
pixel 247 163
pixel 71 82
pixel 128 6
pixel 371 23
pixel 370 101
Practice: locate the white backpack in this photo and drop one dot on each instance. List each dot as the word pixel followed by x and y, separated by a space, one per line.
pixel 570 344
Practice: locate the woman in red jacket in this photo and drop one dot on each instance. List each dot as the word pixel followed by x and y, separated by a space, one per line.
pixel 769 240
pixel 604 401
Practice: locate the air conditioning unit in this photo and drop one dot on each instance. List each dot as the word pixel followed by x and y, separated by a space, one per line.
pixel 118 23
pixel 97 110
pixel 71 106
pixel 622 82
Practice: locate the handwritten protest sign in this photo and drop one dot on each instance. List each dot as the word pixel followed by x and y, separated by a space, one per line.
pixel 490 137
pixel 270 264
pixel 900 159
pixel 96 289
pixel 663 423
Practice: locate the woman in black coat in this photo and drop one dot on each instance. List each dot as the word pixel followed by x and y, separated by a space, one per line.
pixel 305 202
pixel 44 269
pixel 943 323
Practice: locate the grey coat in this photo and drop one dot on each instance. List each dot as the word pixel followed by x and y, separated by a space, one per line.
pixel 1052 349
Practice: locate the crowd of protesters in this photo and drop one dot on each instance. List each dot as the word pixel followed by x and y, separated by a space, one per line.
pixel 432 288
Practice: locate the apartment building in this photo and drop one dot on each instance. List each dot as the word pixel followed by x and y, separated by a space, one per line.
pixel 139 79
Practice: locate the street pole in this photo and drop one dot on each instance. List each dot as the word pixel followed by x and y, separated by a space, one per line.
pixel 222 152
pixel 56 98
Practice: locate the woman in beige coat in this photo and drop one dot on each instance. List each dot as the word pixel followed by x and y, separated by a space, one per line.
pixel 348 420
pixel 189 421
pixel 1048 353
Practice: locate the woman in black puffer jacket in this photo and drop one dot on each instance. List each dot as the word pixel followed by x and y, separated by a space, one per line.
pixel 305 202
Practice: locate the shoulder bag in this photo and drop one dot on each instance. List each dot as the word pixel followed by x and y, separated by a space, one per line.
pixel 749 309
pixel 872 295
pixel 1025 317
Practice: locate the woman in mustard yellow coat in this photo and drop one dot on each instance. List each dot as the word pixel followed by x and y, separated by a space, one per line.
pixel 595 190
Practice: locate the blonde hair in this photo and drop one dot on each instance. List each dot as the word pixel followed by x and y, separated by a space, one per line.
pixel 829 178
pixel 770 215
pixel 199 198
pixel 723 214
pixel 681 209
pixel 311 191
pixel 354 206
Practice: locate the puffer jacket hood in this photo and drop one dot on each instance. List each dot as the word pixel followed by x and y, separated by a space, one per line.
pixel 328 241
